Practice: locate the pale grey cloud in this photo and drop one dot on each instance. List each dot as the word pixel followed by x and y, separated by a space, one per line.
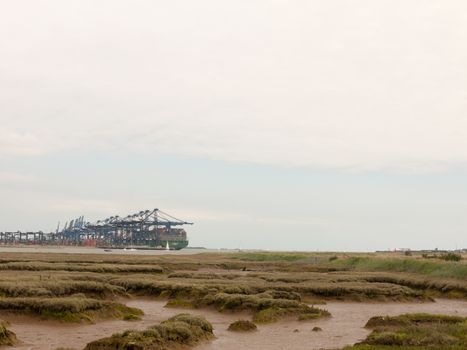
pixel 14 143
pixel 8 178
pixel 361 85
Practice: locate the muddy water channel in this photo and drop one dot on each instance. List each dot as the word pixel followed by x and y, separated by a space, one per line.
pixel 345 327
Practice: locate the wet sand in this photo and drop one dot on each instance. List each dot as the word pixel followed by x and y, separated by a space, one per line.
pixel 345 327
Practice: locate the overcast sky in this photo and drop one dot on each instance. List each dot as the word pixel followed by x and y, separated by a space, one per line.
pixel 305 125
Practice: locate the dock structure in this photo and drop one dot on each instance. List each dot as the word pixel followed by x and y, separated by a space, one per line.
pixel 148 228
pixel 19 237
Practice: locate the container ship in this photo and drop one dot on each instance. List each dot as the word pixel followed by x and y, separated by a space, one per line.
pixel 147 229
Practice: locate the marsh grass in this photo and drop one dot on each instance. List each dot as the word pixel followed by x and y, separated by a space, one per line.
pixel 444 269
pixel 416 331
pixel 444 286
pixel 294 286
pixel 264 306
pixel 268 306
pixel 58 288
pixel 268 285
pixel 308 317
pixel 242 326
pixel 268 256
pixel 180 303
pixel 7 337
pixel 180 330
pixel 270 315
pixel 80 267
pixel 69 309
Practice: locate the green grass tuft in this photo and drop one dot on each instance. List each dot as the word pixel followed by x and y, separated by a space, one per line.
pixel 242 326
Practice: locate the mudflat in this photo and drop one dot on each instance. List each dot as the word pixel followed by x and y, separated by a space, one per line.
pixel 345 327
pixel 297 300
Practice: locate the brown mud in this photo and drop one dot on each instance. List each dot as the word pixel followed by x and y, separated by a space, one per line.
pixel 345 327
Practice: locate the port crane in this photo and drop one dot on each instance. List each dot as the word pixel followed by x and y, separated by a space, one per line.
pixel 146 228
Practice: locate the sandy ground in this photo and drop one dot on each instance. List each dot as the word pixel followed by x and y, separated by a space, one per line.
pixel 345 327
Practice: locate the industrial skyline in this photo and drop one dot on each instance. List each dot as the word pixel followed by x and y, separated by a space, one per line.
pixel 303 125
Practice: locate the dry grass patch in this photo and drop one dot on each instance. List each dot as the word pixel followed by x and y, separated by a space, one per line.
pixel 58 288
pixel 415 265
pixel 7 337
pixel 242 326
pixel 264 306
pixel 269 285
pixel 80 267
pixel 69 309
pixel 180 330
pixel 416 331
